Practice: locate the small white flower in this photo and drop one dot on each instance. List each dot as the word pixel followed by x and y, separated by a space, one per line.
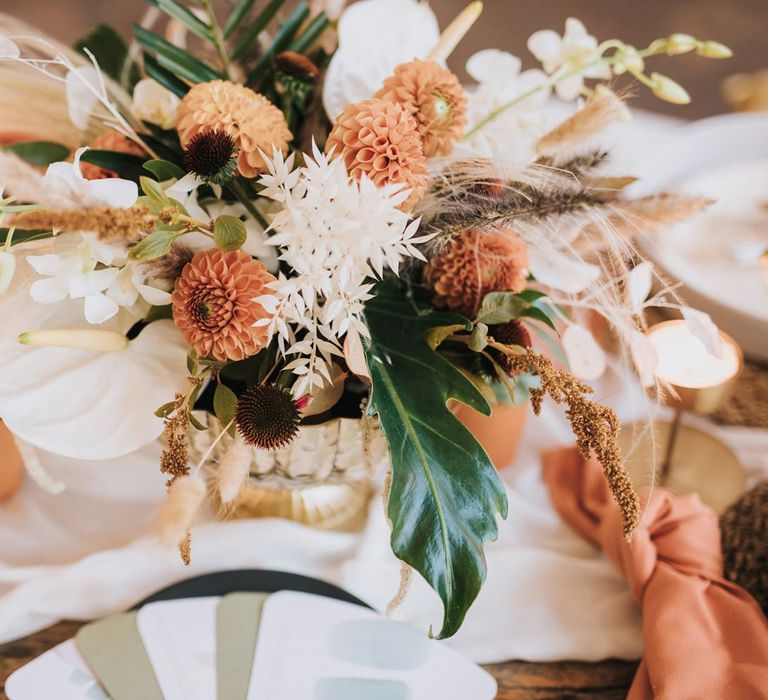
pixel 512 134
pixel 154 103
pixel 79 274
pixel 575 53
pixel 67 179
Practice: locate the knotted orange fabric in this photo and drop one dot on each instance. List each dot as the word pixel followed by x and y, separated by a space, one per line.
pixel 703 637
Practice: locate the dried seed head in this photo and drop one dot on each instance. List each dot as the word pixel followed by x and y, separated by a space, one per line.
pixel 212 155
pixel 267 417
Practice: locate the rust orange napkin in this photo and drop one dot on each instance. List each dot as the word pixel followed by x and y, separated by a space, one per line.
pixel 703 636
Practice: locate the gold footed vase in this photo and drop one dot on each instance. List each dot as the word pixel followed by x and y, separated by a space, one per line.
pixel 323 479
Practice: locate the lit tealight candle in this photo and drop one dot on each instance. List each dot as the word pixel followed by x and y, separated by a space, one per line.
pixel 684 361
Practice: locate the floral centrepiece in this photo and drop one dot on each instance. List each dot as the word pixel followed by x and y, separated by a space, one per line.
pixel 326 233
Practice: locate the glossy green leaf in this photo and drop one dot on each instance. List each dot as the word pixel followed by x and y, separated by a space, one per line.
pixel 164 170
pixel 445 491
pixel 229 232
pixel 125 165
pixel 176 60
pixel 181 13
pixel 252 31
pixel 165 77
pixel 39 152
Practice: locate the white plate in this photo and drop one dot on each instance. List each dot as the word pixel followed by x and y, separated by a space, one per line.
pixel 724 158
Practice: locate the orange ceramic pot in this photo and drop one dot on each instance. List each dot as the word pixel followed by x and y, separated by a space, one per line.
pixel 11 468
pixel 499 433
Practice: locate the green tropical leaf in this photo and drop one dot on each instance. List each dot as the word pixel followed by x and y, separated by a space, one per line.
pixel 282 39
pixel 190 20
pixel 164 170
pixel 229 232
pixel 163 76
pixel 111 52
pixel 176 60
pixel 125 165
pixel 311 34
pixel 38 152
pixel 445 492
pixel 236 18
pixel 256 27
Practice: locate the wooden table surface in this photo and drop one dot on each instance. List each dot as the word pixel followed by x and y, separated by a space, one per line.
pixel 518 680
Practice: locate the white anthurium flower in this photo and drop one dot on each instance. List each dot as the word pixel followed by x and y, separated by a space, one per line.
pixel 82 90
pixel 376 36
pixel 154 103
pixel 67 179
pixel 575 53
pixel 559 271
pixel 586 358
pixel 512 135
pixel 73 400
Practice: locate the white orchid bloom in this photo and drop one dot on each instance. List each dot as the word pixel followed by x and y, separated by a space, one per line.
pixel 97 272
pixel 512 135
pixel 78 273
pixel 154 103
pixel 72 400
pixel 575 52
pixel 376 36
pixel 67 179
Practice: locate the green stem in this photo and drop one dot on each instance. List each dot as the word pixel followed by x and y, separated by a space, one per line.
pixel 242 196
pixel 218 37
pixel 9 238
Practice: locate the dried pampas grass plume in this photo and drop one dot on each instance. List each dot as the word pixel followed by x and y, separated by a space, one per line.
pixel 25 183
pixel 232 471
pixel 185 496
pixel 601 110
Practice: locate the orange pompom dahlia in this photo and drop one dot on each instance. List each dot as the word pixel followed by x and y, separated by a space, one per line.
pixel 434 97
pixel 380 139
pixel 248 117
pixel 214 307
pixel 474 264
pixel 110 140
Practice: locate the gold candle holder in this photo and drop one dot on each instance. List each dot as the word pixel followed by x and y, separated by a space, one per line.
pixel 688 460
